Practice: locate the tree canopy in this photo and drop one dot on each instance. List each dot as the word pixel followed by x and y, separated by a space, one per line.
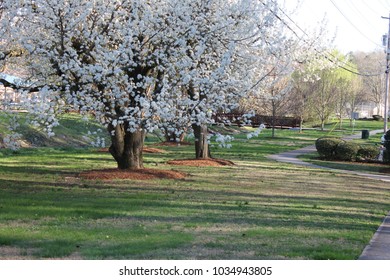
pixel 138 65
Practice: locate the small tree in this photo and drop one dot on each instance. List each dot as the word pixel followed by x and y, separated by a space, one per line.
pixel 373 85
pixel 326 85
pixel 277 97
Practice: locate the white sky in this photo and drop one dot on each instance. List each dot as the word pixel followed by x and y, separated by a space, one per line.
pixel 357 23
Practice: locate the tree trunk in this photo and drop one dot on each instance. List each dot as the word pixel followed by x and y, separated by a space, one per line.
pixel 273 118
pixel 322 125
pixel 340 123
pixel 301 124
pixel 126 147
pixel 201 143
pixel 200 131
pixel 174 136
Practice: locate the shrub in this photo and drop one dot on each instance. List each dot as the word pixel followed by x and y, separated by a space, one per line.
pixel 368 153
pixel 377 118
pixel 347 151
pixel 386 156
pixel 387 140
pixel 386 144
pixel 326 147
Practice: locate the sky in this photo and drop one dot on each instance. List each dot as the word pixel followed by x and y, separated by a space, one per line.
pixel 357 23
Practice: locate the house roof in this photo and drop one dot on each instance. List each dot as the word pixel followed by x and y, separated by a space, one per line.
pixel 11 79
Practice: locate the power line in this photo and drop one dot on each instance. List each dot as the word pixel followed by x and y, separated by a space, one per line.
pixel 369 7
pixel 353 25
pixel 336 61
pixel 353 71
pixel 384 5
pixel 352 5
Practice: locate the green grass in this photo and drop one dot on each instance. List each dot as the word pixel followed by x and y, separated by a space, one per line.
pixel 374 168
pixel 258 209
pixel 359 125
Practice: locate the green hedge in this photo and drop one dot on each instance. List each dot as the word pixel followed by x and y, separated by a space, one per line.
pixel 368 153
pixel 326 147
pixel 347 151
pixel 386 144
pixel 337 149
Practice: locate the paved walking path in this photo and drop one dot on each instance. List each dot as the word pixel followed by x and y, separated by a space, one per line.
pixel 292 157
pixel 379 246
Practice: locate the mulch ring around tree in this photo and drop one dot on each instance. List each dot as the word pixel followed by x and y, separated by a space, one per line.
pixel 151 174
pixel 201 162
pixel 139 174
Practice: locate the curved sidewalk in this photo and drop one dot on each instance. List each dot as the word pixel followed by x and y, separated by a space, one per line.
pixel 379 246
pixel 292 157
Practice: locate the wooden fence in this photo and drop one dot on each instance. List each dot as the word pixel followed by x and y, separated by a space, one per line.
pixel 257 120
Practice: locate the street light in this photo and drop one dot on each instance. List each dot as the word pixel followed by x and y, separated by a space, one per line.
pixel 387 46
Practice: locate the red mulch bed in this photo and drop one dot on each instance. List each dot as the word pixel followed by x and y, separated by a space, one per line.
pixel 150 174
pixel 173 144
pixel 201 162
pixel 150 150
pixel 141 174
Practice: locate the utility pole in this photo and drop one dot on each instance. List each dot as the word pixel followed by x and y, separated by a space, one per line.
pixel 386 115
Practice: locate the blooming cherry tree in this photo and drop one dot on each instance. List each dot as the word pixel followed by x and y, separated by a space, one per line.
pixel 137 65
pixel 223 46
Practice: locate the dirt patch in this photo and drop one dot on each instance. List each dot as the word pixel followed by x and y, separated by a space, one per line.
pixel 15 253
pixel 201 162
pixel 150 150
pixel 10 253
pixel 141 174
pixel 147 150
pixel 173 144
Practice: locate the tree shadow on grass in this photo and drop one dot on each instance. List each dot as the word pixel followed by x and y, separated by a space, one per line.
pixel 39 199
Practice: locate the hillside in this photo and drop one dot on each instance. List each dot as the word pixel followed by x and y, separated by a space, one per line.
pixel 73 131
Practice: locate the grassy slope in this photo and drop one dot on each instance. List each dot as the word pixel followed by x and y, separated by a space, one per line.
pixel 256 210
pixel 72 131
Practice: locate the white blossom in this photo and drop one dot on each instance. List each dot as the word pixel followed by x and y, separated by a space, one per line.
pixel 256 132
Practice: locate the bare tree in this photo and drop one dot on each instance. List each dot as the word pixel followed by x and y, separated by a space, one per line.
pixel 372 64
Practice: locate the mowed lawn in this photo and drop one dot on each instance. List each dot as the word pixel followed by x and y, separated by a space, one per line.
pixel 257 209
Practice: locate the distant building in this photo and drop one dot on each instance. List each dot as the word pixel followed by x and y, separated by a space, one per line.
pixel 369 109
pixel 8 96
